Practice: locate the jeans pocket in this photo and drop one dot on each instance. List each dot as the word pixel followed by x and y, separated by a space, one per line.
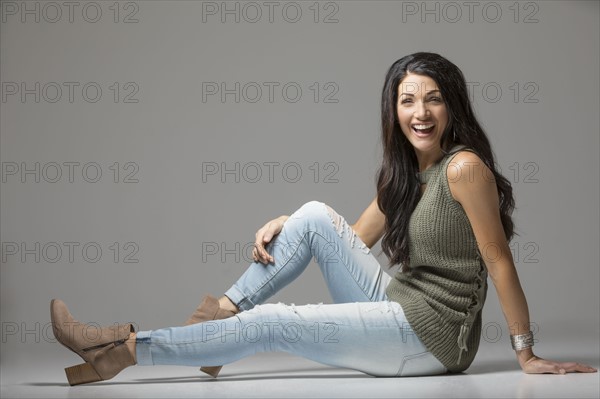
pixel 421 364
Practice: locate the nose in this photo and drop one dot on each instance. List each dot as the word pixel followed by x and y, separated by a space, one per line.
pixel 421 110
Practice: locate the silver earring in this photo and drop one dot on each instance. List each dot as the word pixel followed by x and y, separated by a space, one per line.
pixel 454 134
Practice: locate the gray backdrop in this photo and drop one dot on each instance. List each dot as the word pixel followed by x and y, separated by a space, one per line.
pixel 144 143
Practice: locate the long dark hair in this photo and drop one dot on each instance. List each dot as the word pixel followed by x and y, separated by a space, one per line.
pixel 398 189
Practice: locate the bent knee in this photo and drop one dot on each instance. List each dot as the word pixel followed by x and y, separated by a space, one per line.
pixel 318 210
pixel 313 205
pixel 310 209
pixel 320 213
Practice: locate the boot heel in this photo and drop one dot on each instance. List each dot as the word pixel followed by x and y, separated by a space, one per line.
pixel 212 370
pixel 82 374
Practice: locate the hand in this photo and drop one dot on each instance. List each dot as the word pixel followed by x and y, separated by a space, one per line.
pixel 537 365
pixel 264 236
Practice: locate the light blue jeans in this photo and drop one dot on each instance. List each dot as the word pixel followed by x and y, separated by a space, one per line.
pixel 362 331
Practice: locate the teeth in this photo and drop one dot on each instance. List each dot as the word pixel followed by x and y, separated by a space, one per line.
pixel 422 127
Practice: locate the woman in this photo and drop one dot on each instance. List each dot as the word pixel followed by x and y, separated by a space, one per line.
pixel 444 213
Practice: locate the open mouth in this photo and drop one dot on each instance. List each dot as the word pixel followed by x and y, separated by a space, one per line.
pixel 423 129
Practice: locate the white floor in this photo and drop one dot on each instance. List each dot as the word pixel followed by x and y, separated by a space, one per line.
pixel 494 374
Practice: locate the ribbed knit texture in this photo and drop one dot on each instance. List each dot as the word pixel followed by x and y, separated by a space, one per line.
pixel 446 286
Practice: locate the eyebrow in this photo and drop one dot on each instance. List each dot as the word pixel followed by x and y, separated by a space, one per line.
pixel 410 94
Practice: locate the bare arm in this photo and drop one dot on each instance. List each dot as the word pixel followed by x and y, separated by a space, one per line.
pixel 472 185
pixel 371 224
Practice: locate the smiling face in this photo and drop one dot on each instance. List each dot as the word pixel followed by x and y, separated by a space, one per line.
pixel 422 113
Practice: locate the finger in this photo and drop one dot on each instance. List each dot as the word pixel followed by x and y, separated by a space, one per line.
pixel 268 258
pixel 264 255
pixel 261 250
pixel 573 367
pixel 546 366
pixel 556 368
pixel 566 367
pixel 259 253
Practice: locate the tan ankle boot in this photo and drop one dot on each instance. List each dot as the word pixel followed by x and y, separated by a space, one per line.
pixel 104 350
pixel 209 309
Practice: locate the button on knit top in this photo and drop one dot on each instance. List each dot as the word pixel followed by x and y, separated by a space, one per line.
pixel 445 287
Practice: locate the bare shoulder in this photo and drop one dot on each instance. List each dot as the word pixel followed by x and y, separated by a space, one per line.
pixel 468 174
pixel 466 166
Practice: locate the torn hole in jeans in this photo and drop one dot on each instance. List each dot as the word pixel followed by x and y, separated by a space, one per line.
pixel 341 226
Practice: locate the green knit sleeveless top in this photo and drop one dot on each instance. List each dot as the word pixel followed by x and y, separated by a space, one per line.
pixel 445 287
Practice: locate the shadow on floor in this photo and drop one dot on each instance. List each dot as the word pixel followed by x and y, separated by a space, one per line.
pixel 480 368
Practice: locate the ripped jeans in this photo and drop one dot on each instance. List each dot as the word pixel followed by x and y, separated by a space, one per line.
pixel 362 331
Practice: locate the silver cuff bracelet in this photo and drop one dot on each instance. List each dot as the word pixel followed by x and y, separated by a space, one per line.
pixel 523 341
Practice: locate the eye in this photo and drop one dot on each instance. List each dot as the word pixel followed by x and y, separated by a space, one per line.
pixel 406 100
pixel 436 99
